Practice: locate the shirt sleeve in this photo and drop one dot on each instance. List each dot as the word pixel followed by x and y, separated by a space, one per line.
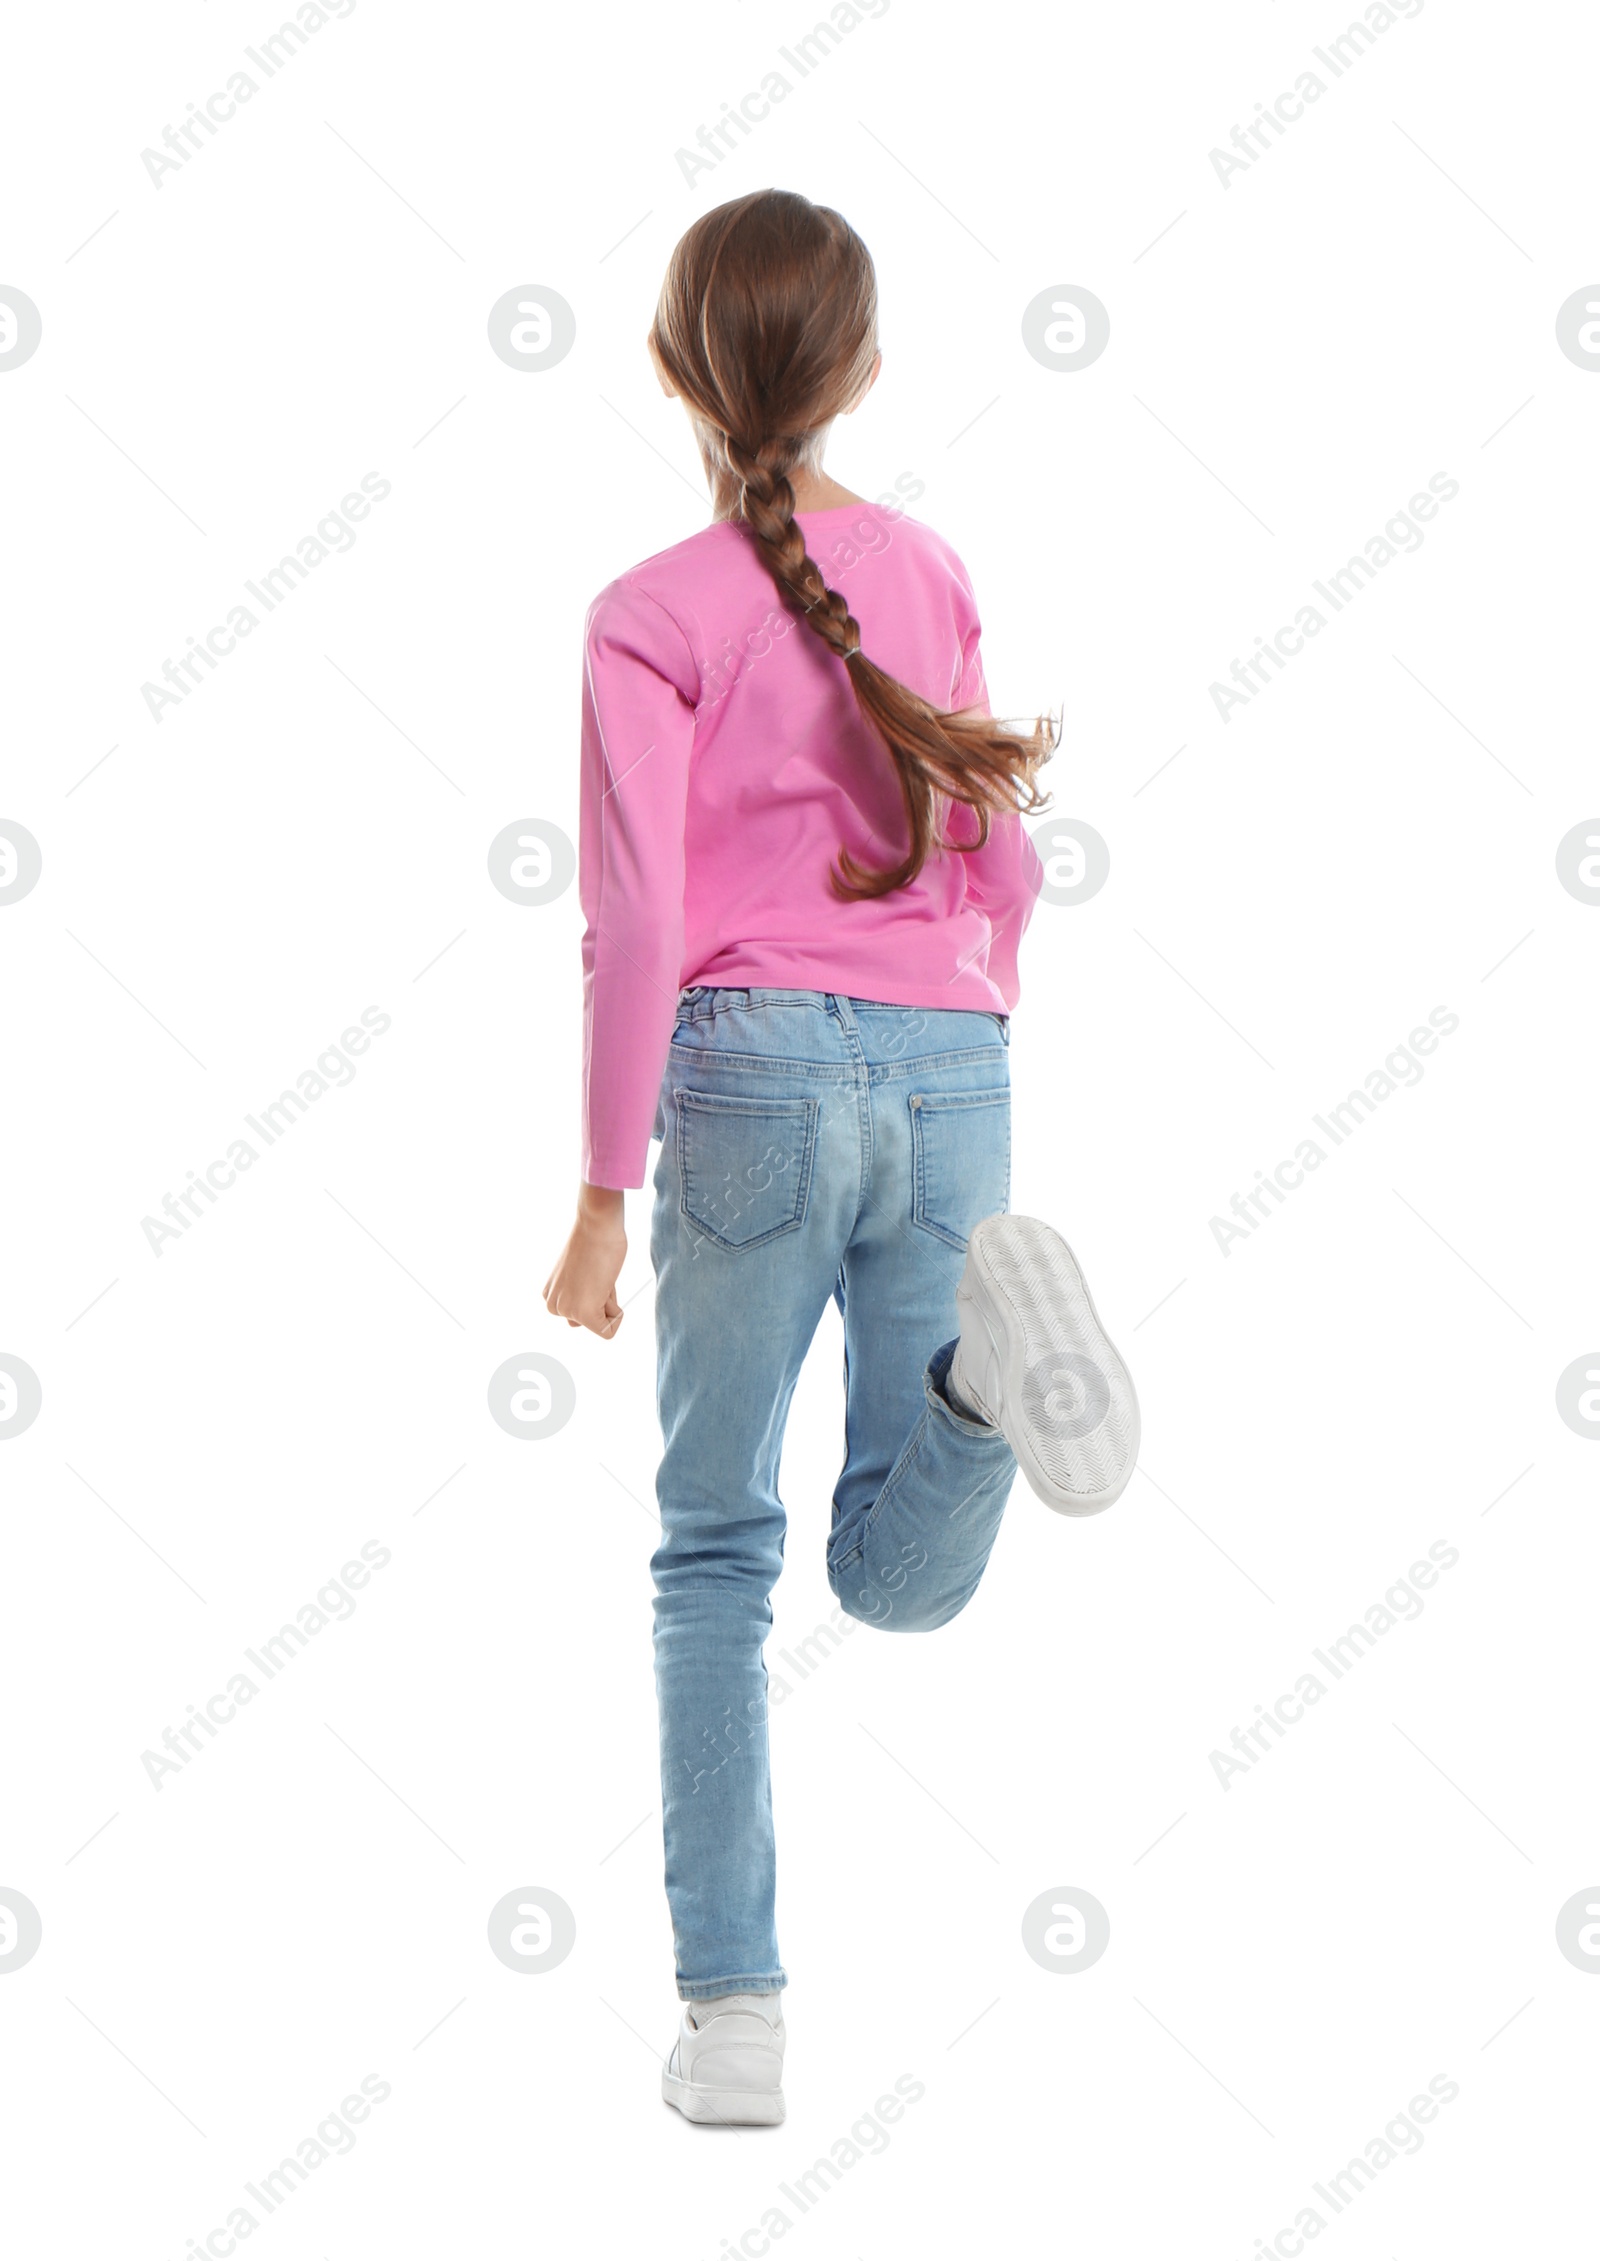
pixel 1004 875
pixel 640 686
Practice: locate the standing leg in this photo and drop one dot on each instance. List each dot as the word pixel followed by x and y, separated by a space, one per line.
pixel 755 1186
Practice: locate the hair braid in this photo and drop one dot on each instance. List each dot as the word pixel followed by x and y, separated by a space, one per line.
pixel 766 501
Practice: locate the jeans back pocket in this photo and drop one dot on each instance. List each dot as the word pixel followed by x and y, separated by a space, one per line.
pixel 745 1164
pixel 960 1160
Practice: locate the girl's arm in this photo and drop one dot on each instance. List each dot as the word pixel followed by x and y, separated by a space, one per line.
pixel 640 686
pixel 639 690
pixel 1004 875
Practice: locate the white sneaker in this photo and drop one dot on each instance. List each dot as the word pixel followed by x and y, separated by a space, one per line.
pixel 726 2065
pixel 1035 1362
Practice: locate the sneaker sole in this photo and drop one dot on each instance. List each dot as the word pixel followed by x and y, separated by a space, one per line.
pixel 724 2107
pixel 1030 1275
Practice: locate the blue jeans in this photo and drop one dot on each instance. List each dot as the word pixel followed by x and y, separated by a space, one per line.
pixel 812 1145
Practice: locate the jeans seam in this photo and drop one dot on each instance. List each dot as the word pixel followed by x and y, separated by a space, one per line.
pixel 743 1982
pixel 885 1071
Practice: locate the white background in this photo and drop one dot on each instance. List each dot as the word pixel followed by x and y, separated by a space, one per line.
pixel 1292 356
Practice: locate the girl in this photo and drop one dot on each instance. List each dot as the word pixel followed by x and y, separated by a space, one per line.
pixel 805 875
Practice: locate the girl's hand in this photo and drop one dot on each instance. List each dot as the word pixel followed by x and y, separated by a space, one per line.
pixel 582 1288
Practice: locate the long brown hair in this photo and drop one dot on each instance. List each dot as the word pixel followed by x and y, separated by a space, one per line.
pixel 767 326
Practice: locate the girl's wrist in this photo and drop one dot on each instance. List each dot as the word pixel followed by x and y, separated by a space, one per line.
pixel 599 1204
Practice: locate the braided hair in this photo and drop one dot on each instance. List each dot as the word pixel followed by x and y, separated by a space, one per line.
pixel 767 326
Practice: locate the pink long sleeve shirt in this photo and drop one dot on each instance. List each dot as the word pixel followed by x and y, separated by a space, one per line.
pixel 724 766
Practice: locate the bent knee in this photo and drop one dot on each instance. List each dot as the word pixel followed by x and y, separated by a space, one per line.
pixel 905 1611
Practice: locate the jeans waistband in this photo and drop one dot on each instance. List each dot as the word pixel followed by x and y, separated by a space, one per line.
pixel 699 1001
